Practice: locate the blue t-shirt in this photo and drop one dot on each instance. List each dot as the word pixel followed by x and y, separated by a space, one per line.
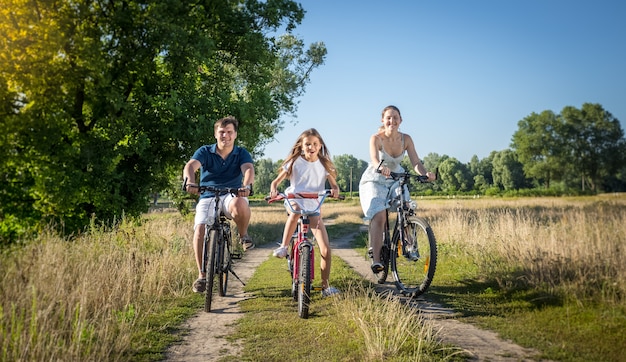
pixel 219 172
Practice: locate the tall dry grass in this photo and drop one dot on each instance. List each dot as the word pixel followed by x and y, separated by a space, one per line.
pixel 388 327
pixel 80 299
pixel 570 247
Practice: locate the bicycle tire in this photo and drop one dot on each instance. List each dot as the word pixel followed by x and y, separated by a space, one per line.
pixel 413 277
pixel 224 264
pixel 304 282
pixel 210 273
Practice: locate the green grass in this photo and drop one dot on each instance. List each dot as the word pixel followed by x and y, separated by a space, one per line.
pixel 354 326
pixel 561 328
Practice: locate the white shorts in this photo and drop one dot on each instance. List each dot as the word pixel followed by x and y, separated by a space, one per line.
pixel 206 208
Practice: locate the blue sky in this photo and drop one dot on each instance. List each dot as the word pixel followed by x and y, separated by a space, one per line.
pixel 463 73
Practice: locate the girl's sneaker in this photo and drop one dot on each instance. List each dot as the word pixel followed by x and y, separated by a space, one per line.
pixel 329 291
pixel 280 252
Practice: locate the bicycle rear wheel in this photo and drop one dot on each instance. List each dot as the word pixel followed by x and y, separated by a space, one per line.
pixel 414 261
pixel 210 272
pixel 304 281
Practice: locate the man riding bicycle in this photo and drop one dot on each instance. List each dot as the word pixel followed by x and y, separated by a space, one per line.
pixel 222 164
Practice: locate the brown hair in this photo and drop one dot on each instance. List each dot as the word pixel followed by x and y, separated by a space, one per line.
pixel 324 155
pixel 223 122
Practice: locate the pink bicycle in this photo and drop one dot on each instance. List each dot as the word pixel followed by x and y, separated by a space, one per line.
pixel 301 255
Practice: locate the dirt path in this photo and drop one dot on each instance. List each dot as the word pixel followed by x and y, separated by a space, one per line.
pixel 204 334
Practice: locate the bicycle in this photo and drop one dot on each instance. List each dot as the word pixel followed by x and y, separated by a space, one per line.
pixel 217 253
pixel 409 249
pixel 301 254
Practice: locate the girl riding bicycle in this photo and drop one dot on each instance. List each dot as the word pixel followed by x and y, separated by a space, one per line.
pixel 388 146
pixel 307 167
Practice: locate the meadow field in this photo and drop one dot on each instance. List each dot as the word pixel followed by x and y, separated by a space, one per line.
pixel 549 273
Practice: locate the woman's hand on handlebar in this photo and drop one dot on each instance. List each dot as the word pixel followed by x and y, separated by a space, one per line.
pixel 384 170
pixel 431 176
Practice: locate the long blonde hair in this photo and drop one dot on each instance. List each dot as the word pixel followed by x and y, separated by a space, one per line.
pixel 324 155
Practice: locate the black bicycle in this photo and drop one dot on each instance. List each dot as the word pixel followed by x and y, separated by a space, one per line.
pixel 217 248
pixel 410 247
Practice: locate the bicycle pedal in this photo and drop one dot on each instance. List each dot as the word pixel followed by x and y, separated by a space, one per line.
pixel 236 255
pixel 317 289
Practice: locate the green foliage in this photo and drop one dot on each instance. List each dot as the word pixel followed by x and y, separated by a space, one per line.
pixel 100 101
pixel 349 171
pixel 507 171
pixel 586 145
pixel 265 172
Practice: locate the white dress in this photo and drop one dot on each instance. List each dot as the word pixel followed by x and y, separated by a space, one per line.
pixel 374 188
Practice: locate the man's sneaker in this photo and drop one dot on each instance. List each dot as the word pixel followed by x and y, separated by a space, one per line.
pixel 280 252
pixel 246 242
pixel 377 268
pixel 330 291
pixel 199 286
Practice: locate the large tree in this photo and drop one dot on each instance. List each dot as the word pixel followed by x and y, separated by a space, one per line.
pixel 596 145
pixel 586 143
pixel 100 99
pixel 541 146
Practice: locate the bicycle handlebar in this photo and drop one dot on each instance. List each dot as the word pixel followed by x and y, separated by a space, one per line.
pixel 407 174
pixel 301 195
pixel 217 190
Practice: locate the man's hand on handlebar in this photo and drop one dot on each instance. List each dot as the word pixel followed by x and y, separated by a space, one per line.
pixel 192 189
pixel 244 192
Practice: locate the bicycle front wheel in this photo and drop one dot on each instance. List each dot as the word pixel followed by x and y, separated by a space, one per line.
pixel 415 258
pixel 304 282
pixel 210 273
pixel 224 265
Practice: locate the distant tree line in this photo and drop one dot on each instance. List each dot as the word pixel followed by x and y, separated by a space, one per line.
pixel 578 151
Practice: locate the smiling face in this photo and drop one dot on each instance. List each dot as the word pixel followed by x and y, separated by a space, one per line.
pixel 225 136
pixel 391 120
pixel 311 146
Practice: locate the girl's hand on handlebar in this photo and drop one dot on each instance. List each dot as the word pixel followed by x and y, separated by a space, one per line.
pixel 431 176
pixel 334 193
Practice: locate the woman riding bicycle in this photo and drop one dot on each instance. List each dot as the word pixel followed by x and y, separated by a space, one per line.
pixel 388 146
pixel 307 167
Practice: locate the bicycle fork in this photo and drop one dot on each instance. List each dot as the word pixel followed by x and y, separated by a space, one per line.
pixel 297 248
